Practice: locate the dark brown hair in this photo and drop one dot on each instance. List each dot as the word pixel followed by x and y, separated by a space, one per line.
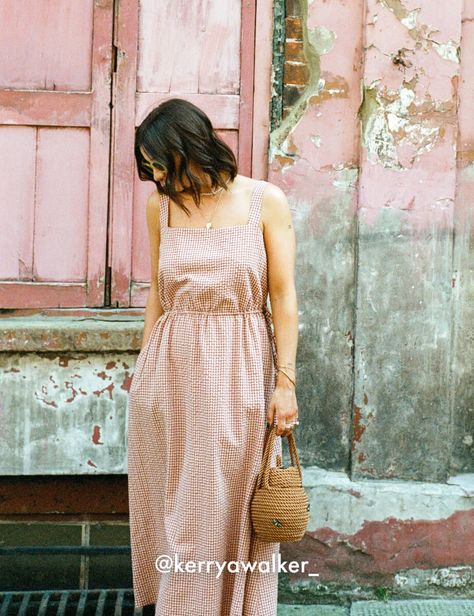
pixel 174 134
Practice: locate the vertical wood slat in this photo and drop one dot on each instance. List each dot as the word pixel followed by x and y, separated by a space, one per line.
pixel 262 88
pixel 37 38
pixel 122 165
pixel 99 150
pixel 247 77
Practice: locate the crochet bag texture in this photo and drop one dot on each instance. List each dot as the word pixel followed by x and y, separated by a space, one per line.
pixel 280 506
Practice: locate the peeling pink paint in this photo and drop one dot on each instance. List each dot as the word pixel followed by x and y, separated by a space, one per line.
pixel 69 386
pixel 52 403
pixel 109 389
pixel 96 436
pixel 409 123
pixel 127 381
pixel 379 550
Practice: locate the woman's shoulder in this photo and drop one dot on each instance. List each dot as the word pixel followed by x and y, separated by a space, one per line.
pixel 275 204
pixel 271 191
pixel 154 200
pixel 153 209
pixel 274 200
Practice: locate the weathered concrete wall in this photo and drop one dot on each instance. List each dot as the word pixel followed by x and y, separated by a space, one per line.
pixel 63 403
pixel 314 157
pixel 396 537
pixel 374 151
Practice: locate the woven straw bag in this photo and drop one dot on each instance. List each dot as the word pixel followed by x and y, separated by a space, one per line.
pixel 279 506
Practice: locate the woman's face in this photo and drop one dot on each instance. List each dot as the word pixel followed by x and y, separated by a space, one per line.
pixel 159 173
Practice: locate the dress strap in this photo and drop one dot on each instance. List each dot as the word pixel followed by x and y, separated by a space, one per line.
pixel 164 201
pixel 256 202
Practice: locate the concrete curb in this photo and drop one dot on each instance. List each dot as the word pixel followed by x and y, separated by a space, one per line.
pixel 418 607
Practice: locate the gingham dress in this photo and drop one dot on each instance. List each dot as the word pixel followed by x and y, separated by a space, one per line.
pixel 196 427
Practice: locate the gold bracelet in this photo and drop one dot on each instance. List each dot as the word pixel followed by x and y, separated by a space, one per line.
pixel 289 377
pixel 289 367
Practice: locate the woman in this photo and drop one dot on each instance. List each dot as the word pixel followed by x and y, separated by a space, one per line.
pixel 211 371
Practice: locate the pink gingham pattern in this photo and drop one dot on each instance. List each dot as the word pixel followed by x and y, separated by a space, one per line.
pixel 196 425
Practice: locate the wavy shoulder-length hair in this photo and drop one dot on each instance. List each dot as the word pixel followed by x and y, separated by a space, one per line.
pixel 175 134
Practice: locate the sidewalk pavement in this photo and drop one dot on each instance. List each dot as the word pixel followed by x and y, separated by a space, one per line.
pixel 418 607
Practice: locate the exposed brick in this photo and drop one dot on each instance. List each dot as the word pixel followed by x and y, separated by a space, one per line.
pixel 294 28
pixel 293 8
pixel 294 51
pixel 291 94
pixel 296 73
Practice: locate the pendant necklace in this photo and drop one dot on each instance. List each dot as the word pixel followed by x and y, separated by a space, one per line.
pixel 209 222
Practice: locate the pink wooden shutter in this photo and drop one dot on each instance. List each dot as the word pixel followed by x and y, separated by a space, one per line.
pixel 54 151
pixel 201 51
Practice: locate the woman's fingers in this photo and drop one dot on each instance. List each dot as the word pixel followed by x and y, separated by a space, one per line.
pixel 281 424
pixel 270 416
pixel 286 421
pixel 284 424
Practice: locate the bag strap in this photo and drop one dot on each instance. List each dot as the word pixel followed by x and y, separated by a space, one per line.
pixel 265 468
pixel 268 449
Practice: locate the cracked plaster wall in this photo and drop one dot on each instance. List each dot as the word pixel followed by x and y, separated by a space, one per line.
pixel 375 156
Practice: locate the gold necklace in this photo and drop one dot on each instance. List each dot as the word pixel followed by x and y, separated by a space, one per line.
pixel 209 222
pixel 213 192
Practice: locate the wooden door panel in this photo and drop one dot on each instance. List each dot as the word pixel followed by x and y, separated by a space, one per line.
pixel 56 90
pixel 56 54
pixel 200 51
pixel 54 143
pixel 17 189
pixel 60 239
pixel 189 47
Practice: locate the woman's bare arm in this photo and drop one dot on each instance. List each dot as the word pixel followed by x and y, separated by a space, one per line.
pixel 280 244
pixel 153 308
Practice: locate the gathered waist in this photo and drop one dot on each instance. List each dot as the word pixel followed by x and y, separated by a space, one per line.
pixel 214 312
pixel 263 310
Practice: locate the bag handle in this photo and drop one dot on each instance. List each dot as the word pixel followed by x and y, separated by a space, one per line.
pixel 265 468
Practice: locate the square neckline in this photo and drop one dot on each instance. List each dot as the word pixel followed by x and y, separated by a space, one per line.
pixel 248 224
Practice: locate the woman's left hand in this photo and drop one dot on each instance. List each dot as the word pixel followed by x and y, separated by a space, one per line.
pixel 283 405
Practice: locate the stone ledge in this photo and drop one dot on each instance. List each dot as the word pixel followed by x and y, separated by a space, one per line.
pixel 415 607
pixel 351 504
pixel 407 537
pixel 82 331
pixel 425 607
